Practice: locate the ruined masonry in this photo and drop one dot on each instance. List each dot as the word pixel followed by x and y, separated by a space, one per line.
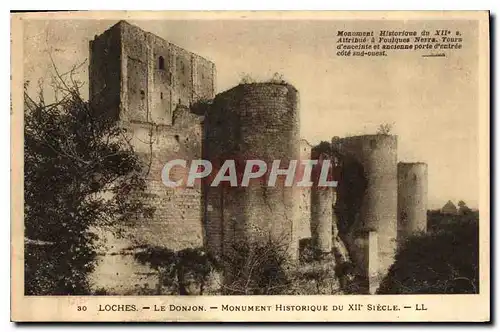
pixel 159 94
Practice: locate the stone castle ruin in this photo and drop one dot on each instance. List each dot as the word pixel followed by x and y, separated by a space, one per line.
pixel 164 97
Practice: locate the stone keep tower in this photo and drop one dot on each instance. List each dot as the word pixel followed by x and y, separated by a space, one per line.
pixel 149 84
pixel 412 198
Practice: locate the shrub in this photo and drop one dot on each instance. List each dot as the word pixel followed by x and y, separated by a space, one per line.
pixel 186 272
pixel 444 261
pixel 257 269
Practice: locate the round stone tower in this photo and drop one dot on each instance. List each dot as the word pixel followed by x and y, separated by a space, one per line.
pixel 412 198
pixel 248 122
pixel 372 238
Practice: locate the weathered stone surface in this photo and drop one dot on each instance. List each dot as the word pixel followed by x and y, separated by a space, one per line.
pixel 149 84
pixel 412 198
pixel 378 212
pixel 253 121
pixel 160 94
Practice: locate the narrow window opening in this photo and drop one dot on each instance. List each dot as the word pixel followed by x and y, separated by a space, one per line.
pixel 161 63
pixel 143 94
pixel 161 95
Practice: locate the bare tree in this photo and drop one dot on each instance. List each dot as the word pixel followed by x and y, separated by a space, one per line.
pixel 79 174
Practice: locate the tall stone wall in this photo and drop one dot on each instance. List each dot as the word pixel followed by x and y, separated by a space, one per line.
pixel 146 76
pixel 176 221
pixel 105 74
pixel 117 272
pixel 253 121
pixel 412 198
pixel 378 213
pixel 148 84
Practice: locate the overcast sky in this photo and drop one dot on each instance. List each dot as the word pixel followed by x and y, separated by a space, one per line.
pixel 432 102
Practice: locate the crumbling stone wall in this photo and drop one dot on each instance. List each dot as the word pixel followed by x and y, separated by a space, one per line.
pixel 322 218
pixel 253 121
pixel 176 221
pixel 117 271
